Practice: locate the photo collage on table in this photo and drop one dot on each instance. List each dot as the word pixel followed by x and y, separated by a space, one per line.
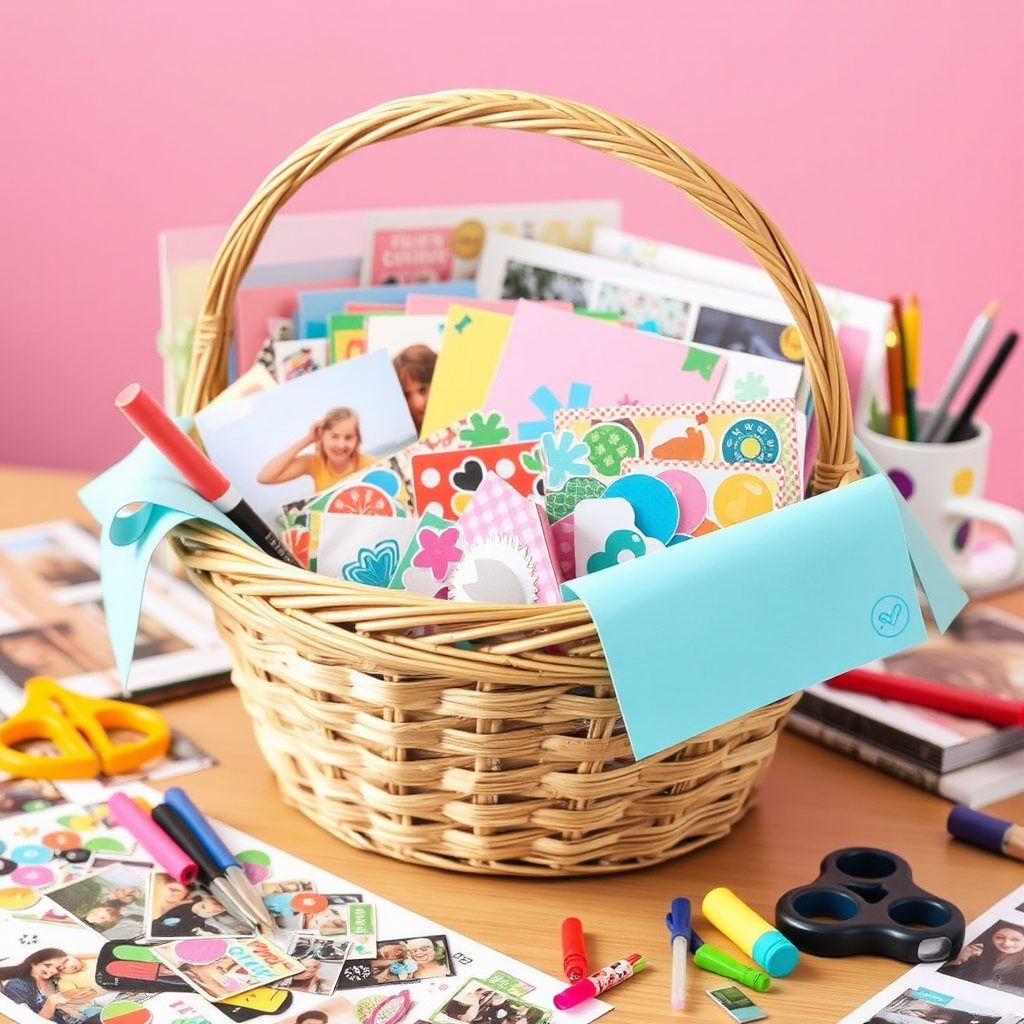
pixel 982 984
pixel 92 928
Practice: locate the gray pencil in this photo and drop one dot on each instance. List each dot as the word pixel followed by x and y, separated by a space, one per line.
pixel 965 358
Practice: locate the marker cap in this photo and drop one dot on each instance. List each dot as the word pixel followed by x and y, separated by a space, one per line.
pixel 978 828
pixel 775 953
pixel 677 919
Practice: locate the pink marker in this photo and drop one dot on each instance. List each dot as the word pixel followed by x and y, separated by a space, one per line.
pixel 209 482
pixel 608 977
pixel 160 846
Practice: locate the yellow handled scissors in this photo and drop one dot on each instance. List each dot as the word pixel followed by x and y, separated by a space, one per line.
pixel 80 729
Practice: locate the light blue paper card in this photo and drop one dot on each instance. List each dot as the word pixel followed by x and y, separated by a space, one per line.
pixel 704 632
pixel 944 595
pixel 314 307
pixel 127 541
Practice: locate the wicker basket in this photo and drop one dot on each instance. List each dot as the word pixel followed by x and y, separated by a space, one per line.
pixel 493 741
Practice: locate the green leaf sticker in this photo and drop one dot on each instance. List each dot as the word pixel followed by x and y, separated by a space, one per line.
pixel 699 361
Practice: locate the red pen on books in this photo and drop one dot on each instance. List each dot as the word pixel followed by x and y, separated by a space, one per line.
pixel 956 700
pixel 209 482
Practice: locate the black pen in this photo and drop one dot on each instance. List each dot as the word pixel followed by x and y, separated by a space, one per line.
pixel 959 429
pixel 142 409
pixel 209 871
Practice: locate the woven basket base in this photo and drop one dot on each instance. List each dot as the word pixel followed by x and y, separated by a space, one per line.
pixel 532 823
pixel 515 765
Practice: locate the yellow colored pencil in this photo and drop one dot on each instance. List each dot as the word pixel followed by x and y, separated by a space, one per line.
pixel 911 324
pixel 897 387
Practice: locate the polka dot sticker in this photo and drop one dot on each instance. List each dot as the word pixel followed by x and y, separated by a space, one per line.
pixel 39 804
pixel 63 840
pixel 105 844
pixel 79 822
pixel 255 864
pixel 31 853
pixel 77 856
pixel 254 857
pixel 430 477
pixel 34 875
pixel 18 898
pixel 125 1011
pixel 690 495
pixel 740 497
pixel 308 902
pixel 200 951
pixel 654 504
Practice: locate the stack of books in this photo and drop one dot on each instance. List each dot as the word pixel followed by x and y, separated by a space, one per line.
pixel 963 759
pixel 52 623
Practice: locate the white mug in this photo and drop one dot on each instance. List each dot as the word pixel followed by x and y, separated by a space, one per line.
pixel 943 485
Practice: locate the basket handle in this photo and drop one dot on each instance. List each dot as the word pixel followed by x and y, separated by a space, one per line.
pixel 523 111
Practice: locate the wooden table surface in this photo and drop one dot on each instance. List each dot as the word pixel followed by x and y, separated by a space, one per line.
pixel 813 801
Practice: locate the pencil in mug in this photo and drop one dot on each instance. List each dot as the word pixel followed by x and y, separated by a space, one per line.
pixel 910 322
pixel 959 429
pixel 143 411
pixel 897 387
pixel 965 359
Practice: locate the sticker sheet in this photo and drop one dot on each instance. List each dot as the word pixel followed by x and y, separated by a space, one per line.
pixel 444 481
pixel 86 915
pixel 714 495
pixel 508 552
pixel 762 432
pixel 429 558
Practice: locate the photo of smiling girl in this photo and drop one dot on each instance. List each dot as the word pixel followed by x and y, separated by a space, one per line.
pixel 336 439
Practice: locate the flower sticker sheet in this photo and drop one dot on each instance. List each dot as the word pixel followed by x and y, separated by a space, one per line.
pixel 360 548
pixel 337 947
pixel 426 562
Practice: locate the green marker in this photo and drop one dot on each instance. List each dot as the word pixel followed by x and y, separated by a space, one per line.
pixel 714 960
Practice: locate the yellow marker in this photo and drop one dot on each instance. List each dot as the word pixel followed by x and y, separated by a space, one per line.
pixel 769 948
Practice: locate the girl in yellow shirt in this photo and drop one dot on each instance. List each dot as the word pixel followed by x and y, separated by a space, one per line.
pixel 336 455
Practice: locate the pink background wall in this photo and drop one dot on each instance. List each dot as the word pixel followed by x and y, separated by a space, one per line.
pixel 883 136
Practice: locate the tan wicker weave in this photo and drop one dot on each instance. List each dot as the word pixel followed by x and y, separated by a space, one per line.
pixel 491 742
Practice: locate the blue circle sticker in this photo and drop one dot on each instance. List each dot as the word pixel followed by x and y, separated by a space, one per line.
pixel 751 440
pixel 890 616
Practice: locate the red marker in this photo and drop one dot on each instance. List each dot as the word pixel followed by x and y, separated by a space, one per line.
pixel 925 693
pixel 574 952
pixel 209 482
